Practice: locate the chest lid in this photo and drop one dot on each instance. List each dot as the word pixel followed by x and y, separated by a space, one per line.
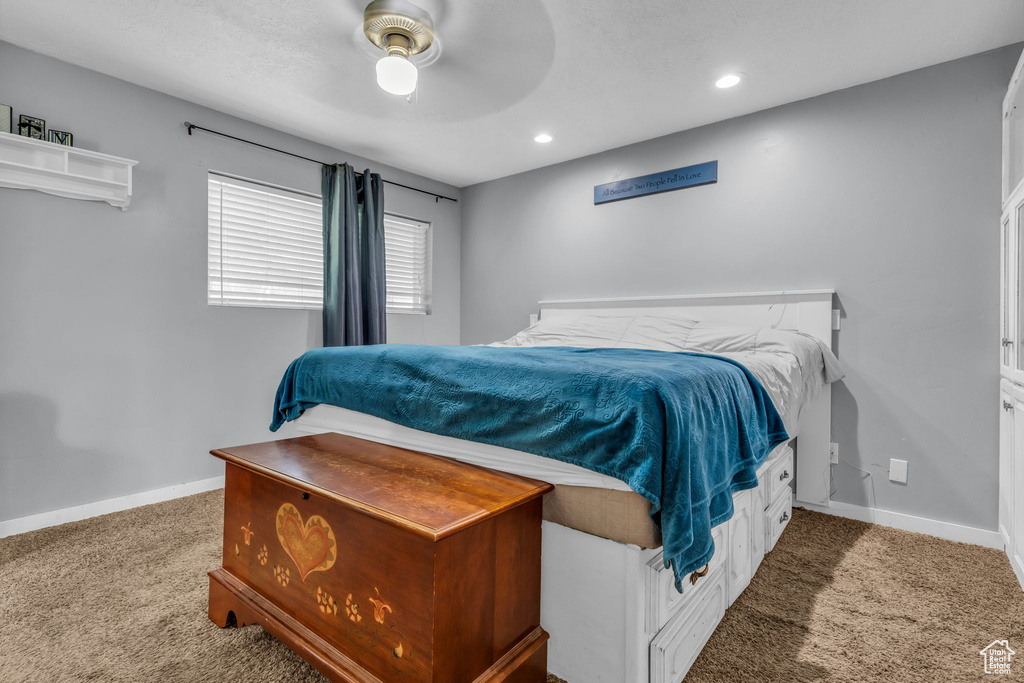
pixel 428 495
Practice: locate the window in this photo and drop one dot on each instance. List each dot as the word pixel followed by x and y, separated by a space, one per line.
pixel 265 249
pixel 407 254
pixel 265 246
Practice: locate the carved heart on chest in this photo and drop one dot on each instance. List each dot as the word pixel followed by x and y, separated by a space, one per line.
pixel 311 544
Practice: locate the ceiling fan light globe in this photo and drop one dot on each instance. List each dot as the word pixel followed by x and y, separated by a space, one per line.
pixel 396 75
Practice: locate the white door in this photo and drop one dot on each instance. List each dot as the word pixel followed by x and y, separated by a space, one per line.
pixel 1007 269
pixel 1011 361
pixel 1006 429
pixel 1017 478
pixel 1013 318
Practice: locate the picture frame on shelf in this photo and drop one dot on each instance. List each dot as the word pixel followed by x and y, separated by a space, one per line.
pixel 6 119
pixel 61 137
pixel 32 127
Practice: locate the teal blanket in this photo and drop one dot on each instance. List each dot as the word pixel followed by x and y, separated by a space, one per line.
pixel 685 430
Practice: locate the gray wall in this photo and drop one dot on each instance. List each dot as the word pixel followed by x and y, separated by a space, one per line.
pixel 888 192
pixel 115 375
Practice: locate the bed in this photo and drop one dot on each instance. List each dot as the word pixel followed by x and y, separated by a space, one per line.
pixel 615 612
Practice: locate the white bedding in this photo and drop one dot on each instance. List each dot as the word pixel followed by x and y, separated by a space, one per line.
pixel 792 366
pixel 332 418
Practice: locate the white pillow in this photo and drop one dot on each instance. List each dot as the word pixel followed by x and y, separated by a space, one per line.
pixel 668 333
pixel 585 331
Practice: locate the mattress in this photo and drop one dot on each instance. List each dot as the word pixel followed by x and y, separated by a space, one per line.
pixel 332 418
pixel 623 516
pixel 791 366
pixel 582 499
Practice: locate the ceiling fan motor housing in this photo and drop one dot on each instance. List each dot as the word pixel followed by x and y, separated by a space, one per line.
pixel 398 27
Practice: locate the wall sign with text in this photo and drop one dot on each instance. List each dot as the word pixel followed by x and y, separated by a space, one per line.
pixel 677 179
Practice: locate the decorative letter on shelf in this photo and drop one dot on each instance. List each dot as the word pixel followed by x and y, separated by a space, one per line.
pixel 65 171
pixel 677 179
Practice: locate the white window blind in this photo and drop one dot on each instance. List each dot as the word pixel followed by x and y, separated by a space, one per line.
pixel 265 249
pixel 265 246
pixel 407 253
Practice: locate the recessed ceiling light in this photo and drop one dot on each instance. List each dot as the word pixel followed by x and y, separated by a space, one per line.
pixel 728 80
pixel 543 137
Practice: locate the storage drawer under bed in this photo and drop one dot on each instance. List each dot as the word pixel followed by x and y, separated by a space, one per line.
pixel 675 648
pixel 776 474
pixel 778 517
pixel 663 600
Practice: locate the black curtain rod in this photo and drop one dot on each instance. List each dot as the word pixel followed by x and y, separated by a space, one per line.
pixel 191 126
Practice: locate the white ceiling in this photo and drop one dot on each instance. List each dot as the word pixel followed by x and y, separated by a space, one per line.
pixel 596 74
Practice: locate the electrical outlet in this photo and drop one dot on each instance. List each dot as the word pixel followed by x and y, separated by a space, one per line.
pixel 833 451
pixel 533 318
pixel 898 471
pixel 835 318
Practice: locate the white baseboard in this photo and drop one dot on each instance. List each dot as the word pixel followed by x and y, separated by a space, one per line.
pixel 921 525
pixel 103 507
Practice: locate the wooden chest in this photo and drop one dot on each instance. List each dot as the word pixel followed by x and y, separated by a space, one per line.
pixel 377 563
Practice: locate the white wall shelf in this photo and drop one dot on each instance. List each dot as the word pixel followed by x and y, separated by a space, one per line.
pixel 65 171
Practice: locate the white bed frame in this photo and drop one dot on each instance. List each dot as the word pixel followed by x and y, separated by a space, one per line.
pixel 611 609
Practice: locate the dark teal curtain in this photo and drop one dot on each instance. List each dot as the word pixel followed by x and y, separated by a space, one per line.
pixel 354 293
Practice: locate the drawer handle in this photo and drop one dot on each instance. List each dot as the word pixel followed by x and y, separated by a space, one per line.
pixel 699 573
pixel 784 517
pixel 784 476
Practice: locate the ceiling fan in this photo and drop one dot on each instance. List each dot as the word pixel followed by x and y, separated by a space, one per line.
pixel 401 30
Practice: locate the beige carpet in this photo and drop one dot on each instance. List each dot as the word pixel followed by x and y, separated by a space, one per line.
pixel 123 598
pixel 839 600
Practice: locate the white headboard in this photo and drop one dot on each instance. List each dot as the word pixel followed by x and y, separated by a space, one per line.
pixel 808 311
